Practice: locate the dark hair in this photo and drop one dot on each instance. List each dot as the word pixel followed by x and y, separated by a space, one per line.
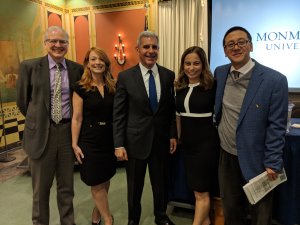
pixel 234 29
pixel 206 77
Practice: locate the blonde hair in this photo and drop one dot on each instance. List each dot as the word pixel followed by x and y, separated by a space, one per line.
pixel 87 80
pixel 206 77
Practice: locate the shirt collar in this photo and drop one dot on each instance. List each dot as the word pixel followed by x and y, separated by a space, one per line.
pixel 52 63
pixel 246 68
pixel 145 70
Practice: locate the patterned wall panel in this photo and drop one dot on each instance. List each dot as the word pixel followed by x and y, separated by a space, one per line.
pixel 14 126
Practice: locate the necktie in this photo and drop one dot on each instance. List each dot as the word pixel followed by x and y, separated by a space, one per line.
pixel 152 92
pixel 56 112
pixel 236 74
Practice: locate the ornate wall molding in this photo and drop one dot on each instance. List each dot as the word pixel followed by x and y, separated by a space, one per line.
pixel 110 6
pixel 36 1
pixel 97 7
pixel 120 4
pixel 83 9
pixel 60 9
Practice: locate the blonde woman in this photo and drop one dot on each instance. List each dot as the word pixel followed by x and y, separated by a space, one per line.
pixel 92 138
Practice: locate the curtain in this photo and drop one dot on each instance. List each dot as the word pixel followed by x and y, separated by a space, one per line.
pixel 181 24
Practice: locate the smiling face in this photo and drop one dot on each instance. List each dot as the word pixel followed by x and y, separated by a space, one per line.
pixel 148 51
pixel 238 56
pixel 192 67
pixel 96 64
pixel 56 45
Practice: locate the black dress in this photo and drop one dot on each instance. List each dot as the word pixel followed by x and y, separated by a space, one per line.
pixel 96 137
pixel 199 136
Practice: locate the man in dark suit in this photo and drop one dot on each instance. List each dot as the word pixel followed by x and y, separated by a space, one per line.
pixel 145 128
pixel 251 113
pixel 47 133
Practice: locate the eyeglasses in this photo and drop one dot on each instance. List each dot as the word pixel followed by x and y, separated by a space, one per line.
pixel 241 43
pixel 54 41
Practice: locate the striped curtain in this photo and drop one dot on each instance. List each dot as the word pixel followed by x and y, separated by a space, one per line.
pixel 181 24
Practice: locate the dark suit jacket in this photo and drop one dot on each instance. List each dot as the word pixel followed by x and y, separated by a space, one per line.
pixel 135 125
pixel 261 127
pixel 33 100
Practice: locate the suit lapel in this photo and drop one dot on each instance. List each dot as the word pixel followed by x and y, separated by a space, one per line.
pixel 140 85
pixel 71 70
pixel 221 82
pixel 163 85
pixel 72 80
pixel 44 73
pixel 253 86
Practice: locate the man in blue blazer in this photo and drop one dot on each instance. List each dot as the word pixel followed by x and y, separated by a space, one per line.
pixel 251 114
pixel 48 142
pixel 144 129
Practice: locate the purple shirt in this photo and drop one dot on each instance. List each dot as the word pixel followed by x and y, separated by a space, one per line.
pixel 65 89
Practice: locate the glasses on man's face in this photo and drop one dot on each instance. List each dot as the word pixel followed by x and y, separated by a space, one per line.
pixel 240 43
pixel 54 41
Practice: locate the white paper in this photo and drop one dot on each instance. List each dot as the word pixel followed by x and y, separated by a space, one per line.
pixel 295 125
pixel 260 185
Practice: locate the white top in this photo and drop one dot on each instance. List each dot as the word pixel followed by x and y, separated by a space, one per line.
pixel 186 104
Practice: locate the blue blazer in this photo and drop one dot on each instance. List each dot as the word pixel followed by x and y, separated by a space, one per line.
pixel 261 127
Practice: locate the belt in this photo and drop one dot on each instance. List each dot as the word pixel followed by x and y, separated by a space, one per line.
pixel 97 123
pixel 196 114
pixel 63 121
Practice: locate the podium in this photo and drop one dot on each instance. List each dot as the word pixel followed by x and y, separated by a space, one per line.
pixel 286 205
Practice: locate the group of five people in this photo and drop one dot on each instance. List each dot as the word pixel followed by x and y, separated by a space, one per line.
pixel 230 125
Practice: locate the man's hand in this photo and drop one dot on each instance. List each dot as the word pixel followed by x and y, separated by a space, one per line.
pixel 121 154
pixel 272 175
